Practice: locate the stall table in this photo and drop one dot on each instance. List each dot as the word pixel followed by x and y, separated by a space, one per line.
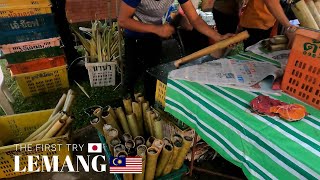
pixel 264 147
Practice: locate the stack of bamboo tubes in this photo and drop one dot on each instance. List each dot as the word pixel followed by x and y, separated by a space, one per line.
pixel 59 122
pixel 136 130
pixel 308 13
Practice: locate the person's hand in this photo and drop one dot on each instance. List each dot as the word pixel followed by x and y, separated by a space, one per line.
pixel 290 33
pixel 165 31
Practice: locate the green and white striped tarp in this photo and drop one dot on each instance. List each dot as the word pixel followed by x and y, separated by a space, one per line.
pixel 264 147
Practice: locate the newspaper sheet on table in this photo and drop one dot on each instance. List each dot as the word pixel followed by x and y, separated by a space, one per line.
pixel 280 56
pixel 240 74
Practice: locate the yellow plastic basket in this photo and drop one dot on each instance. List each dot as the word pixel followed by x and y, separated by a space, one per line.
pixel 24 10
pixel 9 3
pixel 161 89
pixel 42 81
pixel 15 129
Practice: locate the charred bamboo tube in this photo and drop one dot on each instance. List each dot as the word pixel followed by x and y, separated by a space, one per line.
pixel 158 131
pixel 56 117
pixel 59 106
pixel 158 143
pixel 69 100
pixel 141 176
pixel 137 110
pixel 150 141
pixel 278 47
pixel 133 125
pixel 118 148
pixel 55 129
pixel 166 141
pixel 130 147
pixel 98 113
pixel 110 120
pixel 164 158
pixel 176 149
pixel 280 39
pixel 111 134
pixel 126 137
pixel 187 141
pixel 145 106
pixel 111 111
pixel 139 140
pixel 65 127
pixel 313 9
pixel 113 143
pixel 123 120
pixel 304 16
pixel 152 158
pixel 98 124
pixel 142 151
pixel 127 103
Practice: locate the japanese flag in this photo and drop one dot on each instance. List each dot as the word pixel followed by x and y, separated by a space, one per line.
pixel 94 148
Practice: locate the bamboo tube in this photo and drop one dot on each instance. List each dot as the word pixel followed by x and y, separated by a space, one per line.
pixel 280 39
pixel 138 97
pixel 111 134
pixel 106 127
pixel 145 106
pixel 152 117
pixel 187 141
pixel 59 106
pixel 44 126
pixel 177 137
pixel 149 113
pixel 176 149
pixel 142 151
pixel 98 124
pixel 158 143
pixel 127 103
pixel 123 120
pixel 303 14
pixel 152 158
pixel 64 129
pixel 217 46
pixel 130 147
pixel 114 142
pixel 108 119
pixel 278 47
pixel 122 154
pixel 141 176
pixel 133 125
pixel 111 111
pixel 137 110
pixel 118 148
pixel 164 158
pixel 69 100
pixel 312 8
pixel 150 141
pixel 126 137
pixel 317 3
pixel 98 113
pixel 125 176
pixel 55 129
pixel 48 127
pixel 158 131
pixel 166 141
pixel 139 140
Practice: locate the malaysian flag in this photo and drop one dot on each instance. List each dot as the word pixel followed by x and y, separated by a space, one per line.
pixel 120 165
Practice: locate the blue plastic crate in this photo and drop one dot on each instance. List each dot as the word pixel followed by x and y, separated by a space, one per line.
pixel 28 22
pixel 175 175
pixel 28 35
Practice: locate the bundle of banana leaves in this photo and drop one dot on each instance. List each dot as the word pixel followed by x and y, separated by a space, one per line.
pixel 104 43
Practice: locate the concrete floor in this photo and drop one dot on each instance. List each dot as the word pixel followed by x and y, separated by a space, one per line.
pixel 89 135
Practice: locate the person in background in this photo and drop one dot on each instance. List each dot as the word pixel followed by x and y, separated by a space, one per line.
pixel 260 16
pixel 225 13
pixel 142 21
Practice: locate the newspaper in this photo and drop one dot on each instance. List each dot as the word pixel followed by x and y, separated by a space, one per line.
pixel 280 56
pixel 240 74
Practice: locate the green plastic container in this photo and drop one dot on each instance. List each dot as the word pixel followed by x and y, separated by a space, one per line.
pixel 26 56
pixel 176 175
